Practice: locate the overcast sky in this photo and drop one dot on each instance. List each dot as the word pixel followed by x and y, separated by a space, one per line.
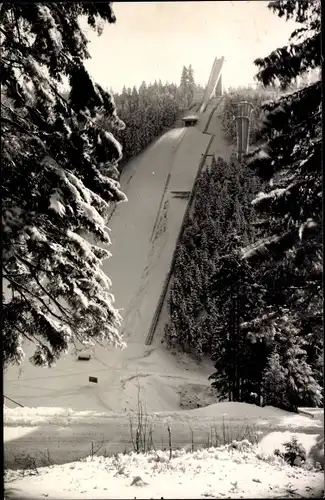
pixel 153 40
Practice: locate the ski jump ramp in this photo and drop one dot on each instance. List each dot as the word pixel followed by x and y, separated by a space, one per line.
pixel 144 233
pixel 214 85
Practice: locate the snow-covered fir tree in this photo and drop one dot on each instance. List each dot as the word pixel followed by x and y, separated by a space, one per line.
pixel 289 164
pixel 59 177
pixel 183 83
pixel 239 362
pixel 187 86
pixel 190 82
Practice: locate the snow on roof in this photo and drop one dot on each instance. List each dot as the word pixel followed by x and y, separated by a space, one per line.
pixel 190 117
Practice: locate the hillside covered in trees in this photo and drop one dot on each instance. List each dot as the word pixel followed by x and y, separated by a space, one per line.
pixel 247 288
pixel 151 110
pixel 148 111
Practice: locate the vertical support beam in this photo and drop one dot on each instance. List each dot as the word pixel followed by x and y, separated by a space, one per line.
pixel 239 127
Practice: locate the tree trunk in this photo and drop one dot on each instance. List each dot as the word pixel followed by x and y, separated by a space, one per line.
pixel 236 368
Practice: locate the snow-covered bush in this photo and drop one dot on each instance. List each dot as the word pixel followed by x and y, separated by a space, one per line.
pixel 294 454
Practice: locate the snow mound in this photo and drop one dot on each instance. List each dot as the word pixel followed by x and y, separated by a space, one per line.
pixel 43 416
pixel 245 411
pixel 238 410
pixel 33 417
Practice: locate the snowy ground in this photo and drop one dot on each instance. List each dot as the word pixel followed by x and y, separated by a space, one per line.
pixel 66 435
pixel 239 470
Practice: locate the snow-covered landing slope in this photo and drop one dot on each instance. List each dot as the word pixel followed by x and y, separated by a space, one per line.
pixel 236 471
pixel 144 232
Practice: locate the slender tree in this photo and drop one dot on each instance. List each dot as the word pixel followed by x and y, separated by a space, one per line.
pixel 183 83
pixel 190 82
pixel 183 88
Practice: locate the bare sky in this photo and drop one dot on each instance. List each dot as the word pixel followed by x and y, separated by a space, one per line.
pixel 153 40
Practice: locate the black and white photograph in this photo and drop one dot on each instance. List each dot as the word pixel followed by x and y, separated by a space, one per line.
pixel 162 249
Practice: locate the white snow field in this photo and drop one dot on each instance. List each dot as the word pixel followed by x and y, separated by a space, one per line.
pixel 67 435
pixel 239 470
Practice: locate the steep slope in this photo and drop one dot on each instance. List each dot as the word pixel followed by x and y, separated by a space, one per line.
pixel 144 235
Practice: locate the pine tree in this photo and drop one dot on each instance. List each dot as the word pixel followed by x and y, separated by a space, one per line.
pixel 239 362
pixel 183 84
pixel 135 99
pixel 289 164
pixel 187 86
pixel 59 171
pixel 288 379
pixel 290 158
pixel 143 91
pixel 190 83
pixel 183 88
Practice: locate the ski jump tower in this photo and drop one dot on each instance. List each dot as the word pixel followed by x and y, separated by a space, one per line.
pixel 214 87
